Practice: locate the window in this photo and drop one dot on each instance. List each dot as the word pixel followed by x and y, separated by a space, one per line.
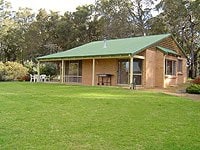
pixel 137 71
pixel 180 65
pixel 170 67
pixel 137 66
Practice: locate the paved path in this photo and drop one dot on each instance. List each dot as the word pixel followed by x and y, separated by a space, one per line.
pixel 195 97
pixel 177 91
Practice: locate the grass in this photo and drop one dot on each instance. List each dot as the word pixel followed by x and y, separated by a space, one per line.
pixel 54 116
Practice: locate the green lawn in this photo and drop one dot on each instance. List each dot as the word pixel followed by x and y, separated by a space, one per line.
pixel 54 116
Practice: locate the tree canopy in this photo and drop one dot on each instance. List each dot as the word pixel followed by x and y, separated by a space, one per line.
pixel 25 35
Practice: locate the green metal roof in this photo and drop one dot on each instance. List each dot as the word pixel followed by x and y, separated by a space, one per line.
pixel 166 50
pixel 114 47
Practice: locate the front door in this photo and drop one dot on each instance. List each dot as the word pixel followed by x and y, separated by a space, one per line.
pixel 123 71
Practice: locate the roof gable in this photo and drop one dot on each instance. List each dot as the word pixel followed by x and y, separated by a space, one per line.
pixel 124 46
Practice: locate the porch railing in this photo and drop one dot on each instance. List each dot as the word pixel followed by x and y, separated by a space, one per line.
pixel 72 79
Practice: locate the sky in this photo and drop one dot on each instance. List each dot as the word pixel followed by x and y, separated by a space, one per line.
pixel 55 5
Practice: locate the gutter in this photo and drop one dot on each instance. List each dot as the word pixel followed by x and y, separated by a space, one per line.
pixel 84 58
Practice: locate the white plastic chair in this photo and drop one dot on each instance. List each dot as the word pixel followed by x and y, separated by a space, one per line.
pixel 43 77
pixel 33 78
pixel 48 78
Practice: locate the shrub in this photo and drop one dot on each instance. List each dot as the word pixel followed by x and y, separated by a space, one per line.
pixel 2 71
pixel 48 69
pixel 193 89
pixel 196 80
pixel 32 67
pixel 14 71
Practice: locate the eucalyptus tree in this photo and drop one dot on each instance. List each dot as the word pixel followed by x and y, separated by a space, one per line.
pixel 77 28
pixel 7 27
pixel 82 19
pixel 140 11
pixel 24 17
pixel 37 35
pixel 52 43
pixel 182 19
pixel 93 24
pixel 114 16
pixel 46 34
pixel 65 31
pixel 125 18
pixel 14 25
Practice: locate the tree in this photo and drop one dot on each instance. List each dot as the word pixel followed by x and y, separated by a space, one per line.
pixel 140 13
pixel 24 17
pixel 13 28
pixel 77 28
pixel 182 20
pixel 7 27
pixel 125 18
pixel 82 19
pixel 37 36
pixel 114 17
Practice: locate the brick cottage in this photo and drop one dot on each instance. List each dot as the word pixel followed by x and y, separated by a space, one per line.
pixel 147 61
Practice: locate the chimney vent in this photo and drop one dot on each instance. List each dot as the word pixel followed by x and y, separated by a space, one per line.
pixel 105 43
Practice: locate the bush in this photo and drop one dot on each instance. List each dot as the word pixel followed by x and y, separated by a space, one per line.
pixel 2 71
pixel 12 71
pixel 32 67
pixel 196 80
pixel 48 69
pixel 193 89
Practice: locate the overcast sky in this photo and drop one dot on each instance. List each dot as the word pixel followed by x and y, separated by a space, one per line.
pixel 55 5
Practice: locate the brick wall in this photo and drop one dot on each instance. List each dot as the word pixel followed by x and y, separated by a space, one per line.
pixel 153 68
pixel 149 69
pixel 87 72
pixel 179 77
pixel 182 76
pixel 107 66
pixel 160 69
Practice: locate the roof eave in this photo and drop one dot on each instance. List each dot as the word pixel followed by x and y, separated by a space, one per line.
pixel 168 53
pixel 86 57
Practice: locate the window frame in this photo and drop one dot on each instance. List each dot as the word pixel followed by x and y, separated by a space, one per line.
pixel 173 67
pixel 180 66
pixel 138 73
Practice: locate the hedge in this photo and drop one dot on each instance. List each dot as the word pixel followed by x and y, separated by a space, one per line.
pixel 193 89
